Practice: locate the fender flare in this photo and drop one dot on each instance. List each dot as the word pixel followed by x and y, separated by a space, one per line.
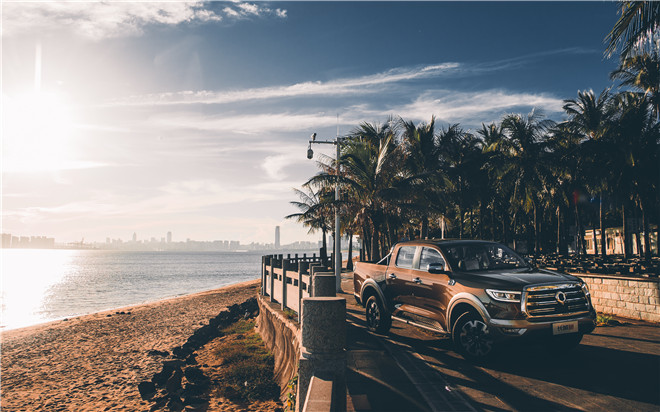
pixel 471 300
pixel 372 284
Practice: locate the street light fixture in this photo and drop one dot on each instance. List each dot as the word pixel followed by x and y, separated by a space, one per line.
pixel 310 154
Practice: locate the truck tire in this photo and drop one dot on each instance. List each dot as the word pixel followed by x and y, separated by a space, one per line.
pixel 471 337
pixel 378 320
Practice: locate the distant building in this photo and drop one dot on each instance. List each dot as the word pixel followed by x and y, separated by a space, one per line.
pixel 134 237
pixel 277 236
pixel 169 237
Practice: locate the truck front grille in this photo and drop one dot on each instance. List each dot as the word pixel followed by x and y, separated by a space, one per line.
pixel 555 301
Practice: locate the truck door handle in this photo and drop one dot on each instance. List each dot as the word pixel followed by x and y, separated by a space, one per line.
pixel 418 281
pixel 392 276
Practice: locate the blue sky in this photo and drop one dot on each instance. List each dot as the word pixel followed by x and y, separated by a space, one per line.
pixel 193 117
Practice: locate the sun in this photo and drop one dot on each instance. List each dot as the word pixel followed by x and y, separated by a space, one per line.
pixel 37 133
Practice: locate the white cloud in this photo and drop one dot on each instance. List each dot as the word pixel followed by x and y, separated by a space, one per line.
pixel 102 19
pixel 473 107
pixel 348 86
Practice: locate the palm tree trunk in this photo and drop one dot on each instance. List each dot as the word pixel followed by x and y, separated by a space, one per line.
pixel 375 245
pixel 647 235
pixel 324 250
pixel 638 238
pixel 603 238
pixel 536 231
pixel 594 237
pixel 424 232
pixel 626 233
pixel 578 229
pixel 349 262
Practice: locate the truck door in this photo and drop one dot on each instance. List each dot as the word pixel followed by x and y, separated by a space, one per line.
pixel 430 289
pixel 399 276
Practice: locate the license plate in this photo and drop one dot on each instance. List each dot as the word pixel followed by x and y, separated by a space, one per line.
pixel 564 327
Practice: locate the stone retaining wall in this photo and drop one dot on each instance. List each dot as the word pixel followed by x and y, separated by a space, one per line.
pixel 632 298
pixel 282 338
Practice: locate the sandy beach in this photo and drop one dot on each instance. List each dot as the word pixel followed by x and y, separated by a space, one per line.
pixel 95 362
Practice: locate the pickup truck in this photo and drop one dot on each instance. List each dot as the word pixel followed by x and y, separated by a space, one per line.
pixel 478 293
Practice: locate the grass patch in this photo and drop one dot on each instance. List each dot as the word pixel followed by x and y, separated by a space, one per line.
pixel 289 314
pixel 606 320
pixel 247 373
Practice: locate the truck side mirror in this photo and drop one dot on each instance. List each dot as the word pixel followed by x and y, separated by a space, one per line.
pixel 436 268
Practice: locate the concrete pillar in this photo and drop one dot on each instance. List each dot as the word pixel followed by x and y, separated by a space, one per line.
pixel 323 285
pixel 303 268
pixel 322 345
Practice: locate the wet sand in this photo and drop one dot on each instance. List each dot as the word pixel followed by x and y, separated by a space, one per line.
pixel 95 362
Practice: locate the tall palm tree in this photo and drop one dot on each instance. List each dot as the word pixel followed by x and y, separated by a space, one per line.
pixel 524 152
pixel 642 73
pixel 315 213
pixel 590 117
pixel 636 143
pixel 637 30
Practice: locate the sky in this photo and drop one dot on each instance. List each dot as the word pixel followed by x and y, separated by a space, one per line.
pixel 148 117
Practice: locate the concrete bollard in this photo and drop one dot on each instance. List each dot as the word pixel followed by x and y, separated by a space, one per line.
pixel 323 285
pixel 322 345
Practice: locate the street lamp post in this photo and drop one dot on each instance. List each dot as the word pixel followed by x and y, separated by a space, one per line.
pixel 310 154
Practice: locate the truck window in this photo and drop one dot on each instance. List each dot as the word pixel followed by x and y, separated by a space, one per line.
pixel 429 256
pixel 405 257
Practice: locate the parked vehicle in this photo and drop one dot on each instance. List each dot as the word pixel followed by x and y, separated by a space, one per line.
pixel 479 293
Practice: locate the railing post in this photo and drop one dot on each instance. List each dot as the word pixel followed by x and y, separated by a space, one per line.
pixel 285 266
pixel 303 267
pixel 272 277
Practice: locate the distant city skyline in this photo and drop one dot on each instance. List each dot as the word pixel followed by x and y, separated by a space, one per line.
pixel 193 117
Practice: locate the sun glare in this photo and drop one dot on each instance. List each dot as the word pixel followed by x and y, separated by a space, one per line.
pixel 37 133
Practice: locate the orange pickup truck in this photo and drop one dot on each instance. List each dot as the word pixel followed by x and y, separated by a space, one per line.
pixel 477 292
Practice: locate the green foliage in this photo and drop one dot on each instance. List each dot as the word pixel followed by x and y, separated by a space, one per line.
pixel 289 314
pixel 292 389
pixel 248 373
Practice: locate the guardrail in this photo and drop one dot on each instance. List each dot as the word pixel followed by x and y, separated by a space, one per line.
pixel 287 280
pixel 307 287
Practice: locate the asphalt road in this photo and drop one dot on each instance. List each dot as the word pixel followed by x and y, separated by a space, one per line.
pixel 616 368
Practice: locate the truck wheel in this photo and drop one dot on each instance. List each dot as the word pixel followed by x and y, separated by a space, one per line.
pixel 563 344
pixel 377 319
pixel 471 337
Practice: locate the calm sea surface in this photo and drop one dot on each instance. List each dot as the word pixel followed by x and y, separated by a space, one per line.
pixel 42 285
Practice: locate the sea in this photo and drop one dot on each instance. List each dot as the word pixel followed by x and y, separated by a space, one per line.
pixel 41 285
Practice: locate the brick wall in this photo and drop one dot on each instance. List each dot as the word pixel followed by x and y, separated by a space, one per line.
pixel 632 298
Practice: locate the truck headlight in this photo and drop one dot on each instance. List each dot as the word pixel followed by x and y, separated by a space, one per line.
pixel 504 295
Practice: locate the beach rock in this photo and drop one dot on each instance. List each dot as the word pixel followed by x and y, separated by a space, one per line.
pixel 195 375
pixel 164 375
pixel 147 389
pixel 191 359
pixel 193 400
pixel 195 389
pixel 175 404
pixel 173 384
pixel 162 353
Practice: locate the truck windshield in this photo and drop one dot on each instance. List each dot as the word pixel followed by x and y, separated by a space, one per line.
pixel 471 257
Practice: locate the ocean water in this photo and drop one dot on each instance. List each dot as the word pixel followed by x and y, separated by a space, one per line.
pixel 44 285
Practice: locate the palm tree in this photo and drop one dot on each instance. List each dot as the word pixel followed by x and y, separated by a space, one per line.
pixel 636 143
pixel 642 72
pixel 637 30
pixel 315 213
pixel 590 118
pixel 524 154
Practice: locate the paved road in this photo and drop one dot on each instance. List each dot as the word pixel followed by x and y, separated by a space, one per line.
pixel 614 369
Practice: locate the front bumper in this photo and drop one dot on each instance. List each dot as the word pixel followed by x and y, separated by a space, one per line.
pixel 503 329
